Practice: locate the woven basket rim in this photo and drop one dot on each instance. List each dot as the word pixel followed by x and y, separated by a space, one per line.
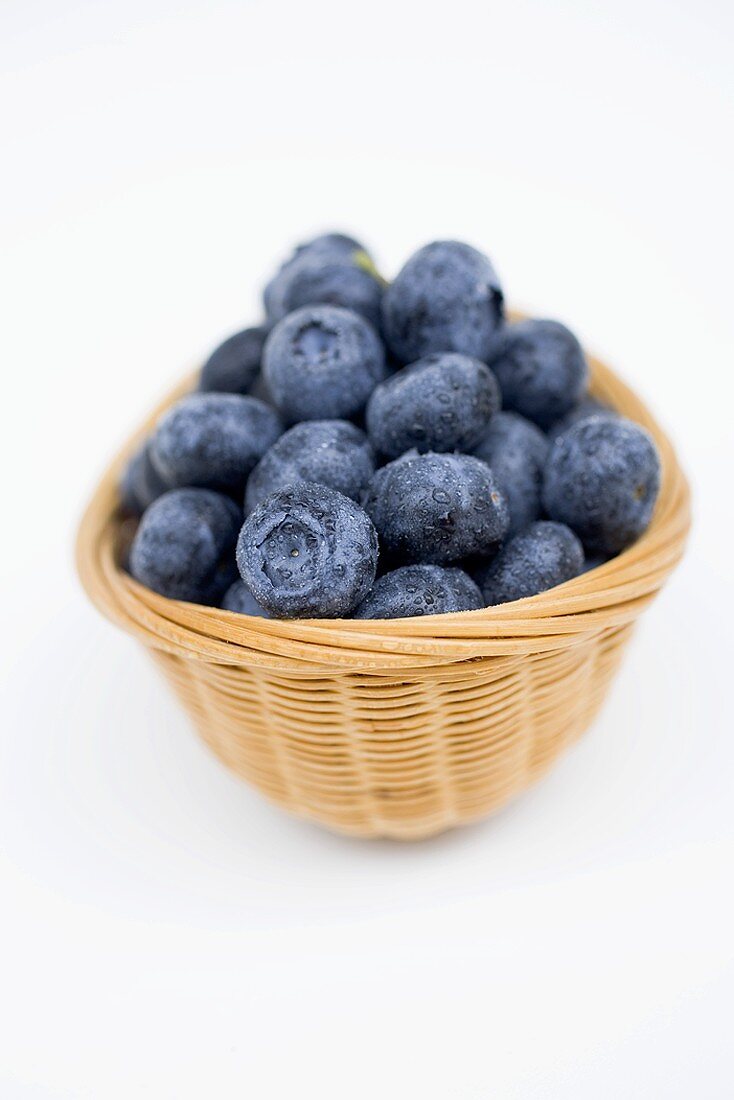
pixel 607 596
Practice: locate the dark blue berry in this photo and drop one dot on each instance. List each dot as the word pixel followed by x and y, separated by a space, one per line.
pixel 338 243
pixel 329 452
pixel 234 365
pixel 541 369
pixel 420 590
pixel 594 563
pixel 540 557
pixel 141 483
pixel 447 297
pixel 213 440
pixel 261 391
pixel 323 279
pixel 443 402
pixel 308 551
pixel 602 478
pixel 436 508
pixel 322 362
pixel 330 247
pixel 587 406
pixel 184 546
pixel 516 450
pixel 239 598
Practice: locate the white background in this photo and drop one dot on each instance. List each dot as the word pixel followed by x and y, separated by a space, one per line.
pixel 164 932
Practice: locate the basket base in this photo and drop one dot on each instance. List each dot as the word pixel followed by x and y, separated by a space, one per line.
pixel 401 759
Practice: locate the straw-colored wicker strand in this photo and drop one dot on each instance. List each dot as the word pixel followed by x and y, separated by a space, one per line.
pixel 396 728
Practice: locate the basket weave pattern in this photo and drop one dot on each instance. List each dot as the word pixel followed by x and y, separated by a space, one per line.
pixel 397 728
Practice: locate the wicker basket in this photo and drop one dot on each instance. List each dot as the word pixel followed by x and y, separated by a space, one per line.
pixel 396 728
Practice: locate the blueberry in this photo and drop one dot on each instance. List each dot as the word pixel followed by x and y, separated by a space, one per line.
pixel 586 406
pixel 339 243
pixel 441 403
pixel 594 563
pixel 322 362
pixel 540 557
pixel 447 297
pixel 308 551
pixel 420 590
pixel 239 598
pixel 541 369
pixel 260 390
pixel 602 478
pixel 329 452
pixel 234 365
pixel 516 450
pixel 141 483
pixel 184 546
pixel 324 279
pixel 436 508
pixel 213 440
pixel 336 247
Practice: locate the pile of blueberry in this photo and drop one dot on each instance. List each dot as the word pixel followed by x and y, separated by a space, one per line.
pixel 409 421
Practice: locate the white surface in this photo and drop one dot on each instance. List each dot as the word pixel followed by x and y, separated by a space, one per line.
pixel 164 932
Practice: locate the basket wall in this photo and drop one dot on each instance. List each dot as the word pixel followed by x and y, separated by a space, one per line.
pixel 399 728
